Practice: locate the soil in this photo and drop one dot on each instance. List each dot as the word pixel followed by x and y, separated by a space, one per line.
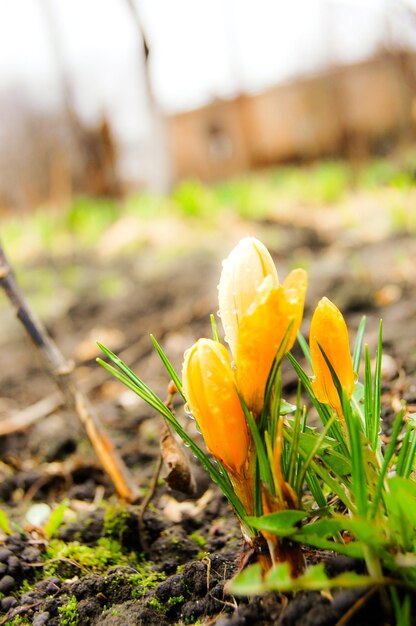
pixel 173 567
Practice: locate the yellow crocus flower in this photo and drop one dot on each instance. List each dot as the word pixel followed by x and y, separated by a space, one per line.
pixel 329 330
pixel 262 330
pixel 213 400
pixel 256 311
pixel 244 271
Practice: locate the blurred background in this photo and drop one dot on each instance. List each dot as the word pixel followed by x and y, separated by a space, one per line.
pixel 141 139
pixel 106 97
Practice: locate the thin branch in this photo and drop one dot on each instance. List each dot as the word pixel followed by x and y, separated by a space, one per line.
pixel 21 420
pixel 62 373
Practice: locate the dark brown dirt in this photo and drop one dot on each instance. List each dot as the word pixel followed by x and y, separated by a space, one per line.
pixel 192 548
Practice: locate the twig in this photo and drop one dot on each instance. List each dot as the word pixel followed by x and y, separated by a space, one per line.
pixel 147 500
pixel 25 418
pixel 61 372
pixel 180 475
pixel 358 604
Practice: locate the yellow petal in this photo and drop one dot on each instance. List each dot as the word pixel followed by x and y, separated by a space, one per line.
pixel 329 330
pixel 212 397
pixel 243 273
pixel 294 287
pixel 262 330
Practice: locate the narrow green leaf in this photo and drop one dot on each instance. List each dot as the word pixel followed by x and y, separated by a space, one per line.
pixel 323 527
pixel 56 518
pixel 214 328
pixel 368 396
pixel 293 453
pixel 358 467
pixel 355 549
pixel 4 523
pixel 281 523
pixel 274 377
pixel 308 459
pixel 337 488
pixel 402 607
pixel 375 439
pixel 400 501
pixel 356 359
pixel 249 582
pixel 315 489
pixel 323 410
pixel 286 408
pixel 263 461
pixel 305 348
pixel 314 578
pixel 168 366
pixel 407 454
pixel 388 455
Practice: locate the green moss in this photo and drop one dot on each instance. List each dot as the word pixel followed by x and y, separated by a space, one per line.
pixel 202 554
pixel 107 553
pixel 18 621
pixel 144 579
pixel 155 604
pixel 174 600
pixel 200 541
pixel 69 612
pixel 116 519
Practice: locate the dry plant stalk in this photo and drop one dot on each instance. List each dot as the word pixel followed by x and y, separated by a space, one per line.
pixel 62 373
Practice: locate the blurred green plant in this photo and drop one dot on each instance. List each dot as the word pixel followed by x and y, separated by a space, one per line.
pixel 252 196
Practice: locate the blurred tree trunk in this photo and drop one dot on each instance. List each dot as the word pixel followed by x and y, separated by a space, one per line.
pixel 97 172
pixel 158 163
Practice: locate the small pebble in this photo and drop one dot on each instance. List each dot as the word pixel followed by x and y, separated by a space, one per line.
pixel 30 554
pixel 3 569
pixel 13 565
pixel 7 583
pixel 4 555
pixel 49 585
pixel 7 603
pixel 41 619
pixel 30 597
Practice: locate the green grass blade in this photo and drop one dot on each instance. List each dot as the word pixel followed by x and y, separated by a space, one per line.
pixel 262 458
pixel 354 549
pixel 356 358
pixel 406 457
pixel 323 410
pixel 305 348
pixel 273 378
pixel 358 470
pixel 375 439
pixel 368 396
pixel 340 490
pixel 168 366
pixel 214 328
pixel 313 452
pixel 388 455
pixel 316 489
pixel 293 452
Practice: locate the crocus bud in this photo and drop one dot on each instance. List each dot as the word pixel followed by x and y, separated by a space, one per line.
pixel 242 276
pixel 256 312
pixel 213 400
pixel 329 330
